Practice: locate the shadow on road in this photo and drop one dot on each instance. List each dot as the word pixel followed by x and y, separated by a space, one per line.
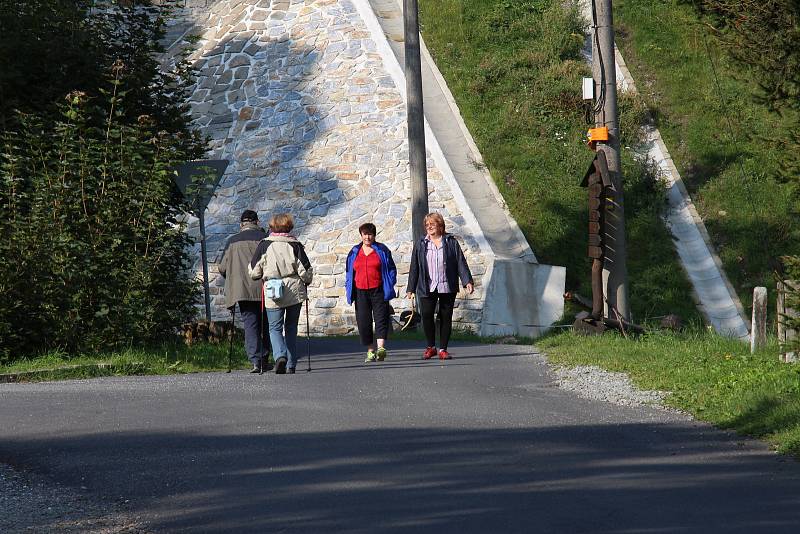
pixel 589 478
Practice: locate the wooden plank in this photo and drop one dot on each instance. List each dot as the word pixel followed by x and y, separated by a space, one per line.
pixel 758 329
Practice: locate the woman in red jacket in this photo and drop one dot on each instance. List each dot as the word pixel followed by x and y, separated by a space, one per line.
pixel 371 277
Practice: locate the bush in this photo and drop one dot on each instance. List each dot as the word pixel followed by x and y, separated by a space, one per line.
pixel 50 48
pixel 93 254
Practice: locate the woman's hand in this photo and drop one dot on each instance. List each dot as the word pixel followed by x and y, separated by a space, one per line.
pixel 470 288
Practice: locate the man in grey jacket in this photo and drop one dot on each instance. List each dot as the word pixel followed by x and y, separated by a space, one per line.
pixel 241 289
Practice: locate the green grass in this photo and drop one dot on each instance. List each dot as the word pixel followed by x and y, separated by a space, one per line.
pixel 515 69
pixel 174 358
pixel 723 143
pixel 713 378
pixel 167 359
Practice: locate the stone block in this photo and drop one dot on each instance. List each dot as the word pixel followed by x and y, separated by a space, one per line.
pixel 338 331
pixel 326 259
pixel 326 302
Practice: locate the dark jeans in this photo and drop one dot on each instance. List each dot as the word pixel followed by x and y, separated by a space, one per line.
pixel 250 311
pixel 444 317
pixel 370 305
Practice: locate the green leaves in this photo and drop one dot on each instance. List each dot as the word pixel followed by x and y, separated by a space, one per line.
pixel 90 257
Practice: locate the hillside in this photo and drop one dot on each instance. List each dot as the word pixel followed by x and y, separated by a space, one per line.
pixel 515 69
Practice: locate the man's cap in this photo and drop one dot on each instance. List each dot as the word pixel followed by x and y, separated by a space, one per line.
pixel 249 216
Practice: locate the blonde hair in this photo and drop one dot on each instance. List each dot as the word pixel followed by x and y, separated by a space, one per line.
pixel 437 218
pixel 282 222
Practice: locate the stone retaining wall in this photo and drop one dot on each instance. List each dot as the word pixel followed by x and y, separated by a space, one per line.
pixel 296 96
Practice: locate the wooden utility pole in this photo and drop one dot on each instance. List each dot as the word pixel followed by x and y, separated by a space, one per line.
pixel 416 120
pixel 615 271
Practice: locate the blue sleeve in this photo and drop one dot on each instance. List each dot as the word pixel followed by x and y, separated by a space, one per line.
pixel 348 279
pixel 392 267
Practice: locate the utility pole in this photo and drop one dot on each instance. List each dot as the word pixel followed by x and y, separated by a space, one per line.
pixel 615 271
pixel 416 120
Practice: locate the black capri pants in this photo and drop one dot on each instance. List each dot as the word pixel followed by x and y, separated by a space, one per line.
pixel 444 317
pixel 371 306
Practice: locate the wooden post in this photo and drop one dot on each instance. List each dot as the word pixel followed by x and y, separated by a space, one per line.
pixel 786 335
pixel 758 329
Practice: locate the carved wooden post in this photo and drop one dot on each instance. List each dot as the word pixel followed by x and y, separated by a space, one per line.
pixel 758 329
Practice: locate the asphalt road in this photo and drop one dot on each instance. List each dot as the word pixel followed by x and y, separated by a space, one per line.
pixel 482 443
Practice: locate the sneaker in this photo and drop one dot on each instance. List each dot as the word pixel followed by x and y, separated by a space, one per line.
pixel 255 369
pixel 381 354
pixel 430 352
pixel 280 366
pixel 370 357
pixel 291 370
pixel 444 355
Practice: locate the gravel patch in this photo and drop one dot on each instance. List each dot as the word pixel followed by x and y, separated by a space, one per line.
pixel 34 503
pixel 593 383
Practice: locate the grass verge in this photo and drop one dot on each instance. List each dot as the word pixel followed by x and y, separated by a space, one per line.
pixel 172 359
pixel 713 378
pixel 167 359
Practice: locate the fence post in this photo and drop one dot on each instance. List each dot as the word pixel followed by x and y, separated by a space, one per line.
pixel 785 334
pixel 758 328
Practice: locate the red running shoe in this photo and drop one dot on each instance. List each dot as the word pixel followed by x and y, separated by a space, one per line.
pixel 444 355
pixel 430 352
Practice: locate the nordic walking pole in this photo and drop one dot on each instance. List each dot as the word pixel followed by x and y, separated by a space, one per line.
pixel 233 326
pixel 308 338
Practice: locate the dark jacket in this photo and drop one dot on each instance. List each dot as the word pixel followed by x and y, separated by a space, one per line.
pixel 388 272
pixel 455 267
pixel 233 267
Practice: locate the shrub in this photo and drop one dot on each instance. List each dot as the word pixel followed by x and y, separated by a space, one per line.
pixel 93 253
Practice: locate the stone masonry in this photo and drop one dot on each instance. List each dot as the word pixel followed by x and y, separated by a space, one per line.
pixel 296 96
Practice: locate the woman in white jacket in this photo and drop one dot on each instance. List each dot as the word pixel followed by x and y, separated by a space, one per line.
pixel 281 257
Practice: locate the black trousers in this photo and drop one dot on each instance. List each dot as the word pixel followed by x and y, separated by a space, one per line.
pixel 371 306
pixel 444 317
pixel 253 327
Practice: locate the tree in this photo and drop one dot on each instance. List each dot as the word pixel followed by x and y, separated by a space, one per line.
pixel 764 37
pixel 50 48
pixel 92 252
